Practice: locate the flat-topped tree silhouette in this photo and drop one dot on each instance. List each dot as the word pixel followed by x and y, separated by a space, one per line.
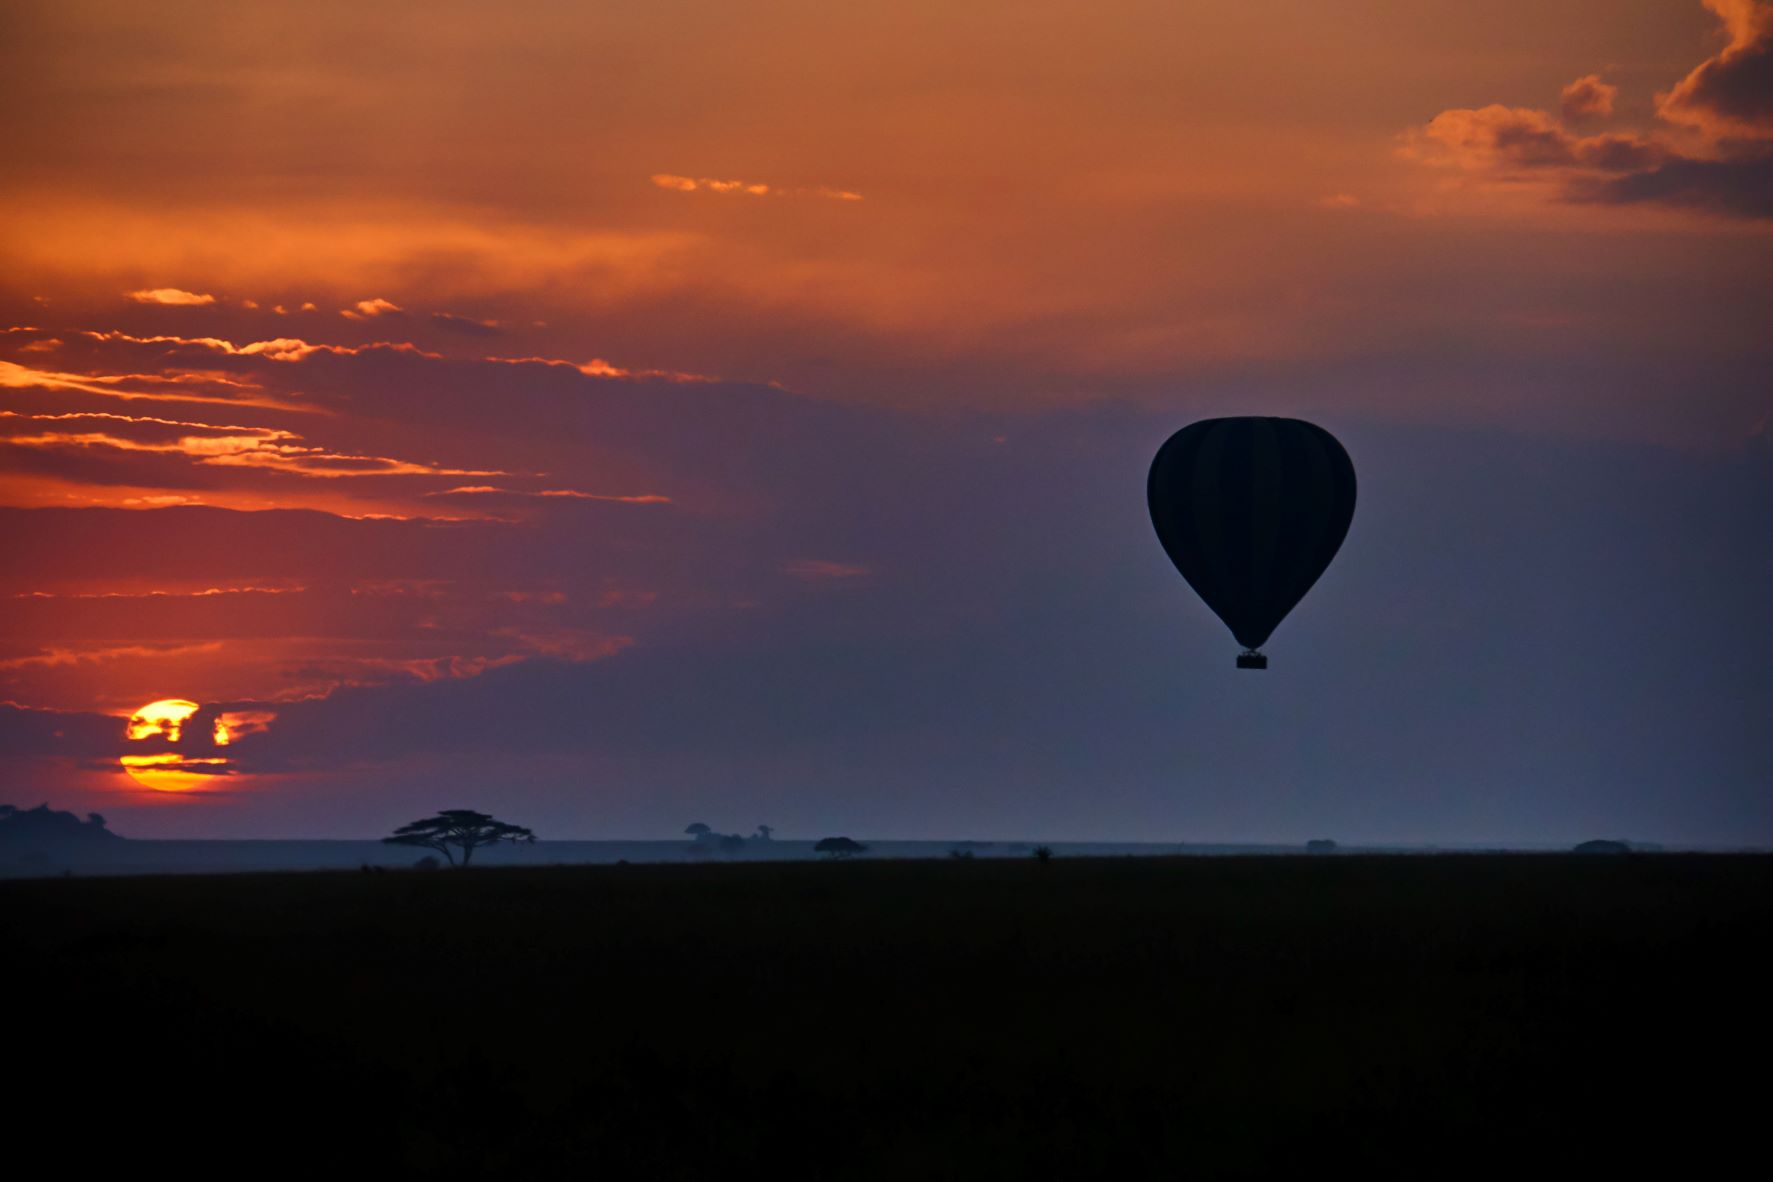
pixel 464 829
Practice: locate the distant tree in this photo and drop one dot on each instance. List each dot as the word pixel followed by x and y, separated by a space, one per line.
pixel 1320 845
pixel 764 831
pixel 427 863
pixel 698 831
pixel 95 819
pixel 961 855
pixel 1043 853
pixel 1603 846
pixel 839 847
pixel 731 843
pixel 462 829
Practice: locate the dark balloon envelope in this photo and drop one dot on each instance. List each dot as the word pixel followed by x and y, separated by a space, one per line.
pixel 1251 511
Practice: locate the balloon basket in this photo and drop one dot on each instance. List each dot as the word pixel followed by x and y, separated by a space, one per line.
pixel 1252 660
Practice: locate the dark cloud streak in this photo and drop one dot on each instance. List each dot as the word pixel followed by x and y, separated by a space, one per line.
pixel 1735 188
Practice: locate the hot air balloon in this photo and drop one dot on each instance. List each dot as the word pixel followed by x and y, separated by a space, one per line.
pixel 1251 510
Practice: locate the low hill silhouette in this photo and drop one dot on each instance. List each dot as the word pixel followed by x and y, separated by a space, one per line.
pixel 46 830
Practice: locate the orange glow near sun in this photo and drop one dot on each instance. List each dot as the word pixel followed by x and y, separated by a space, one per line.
pixel 237 724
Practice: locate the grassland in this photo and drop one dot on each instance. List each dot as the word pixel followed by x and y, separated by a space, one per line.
pixel 1124 1018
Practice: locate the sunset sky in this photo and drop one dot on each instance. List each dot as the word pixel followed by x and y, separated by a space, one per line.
pixel 613 416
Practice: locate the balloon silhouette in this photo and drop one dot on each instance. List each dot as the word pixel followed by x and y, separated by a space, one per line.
pixel 1251 510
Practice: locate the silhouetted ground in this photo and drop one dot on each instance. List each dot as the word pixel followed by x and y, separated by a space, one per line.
pixel 1406 1016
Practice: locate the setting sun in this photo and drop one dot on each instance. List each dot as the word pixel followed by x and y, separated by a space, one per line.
pixel 169 771
pixel 165 718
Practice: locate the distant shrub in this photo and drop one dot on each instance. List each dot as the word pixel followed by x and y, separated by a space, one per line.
pixel 961 855
pixel 1043 853
pixel 731 843
pixel 839 847
pixel 427 863
pixel 1320 845
pixel 1603 846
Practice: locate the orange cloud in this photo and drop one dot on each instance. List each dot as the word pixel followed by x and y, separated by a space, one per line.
pixel 44 490
pixel 367 309
pixel 690 184
pixel 326 248
pixel 480 490
pixel 567 644
pixel 275 643
pixel 1588 97
pixel 92 456
pixel 1499 137
pixel 597 367
pixel 259 447
pixel 18 377
pixel 204 593
pixel 1728 99
pixel 69 656
pixel 642 499
pixel 316 461
pixel 116 418
pixel 234 725
pixel 276 349
pixel 199 447
pixel 1731 93
pixel 170 295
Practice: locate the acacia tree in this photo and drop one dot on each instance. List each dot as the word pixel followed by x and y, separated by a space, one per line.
pixel 464 829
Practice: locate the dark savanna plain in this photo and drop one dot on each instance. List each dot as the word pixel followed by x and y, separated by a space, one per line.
pixel 935 453
pixel 1438 1016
